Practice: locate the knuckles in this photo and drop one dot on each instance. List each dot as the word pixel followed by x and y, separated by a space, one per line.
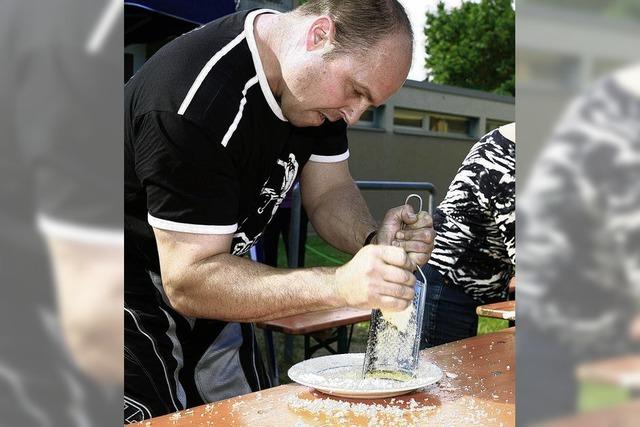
pixel 420 259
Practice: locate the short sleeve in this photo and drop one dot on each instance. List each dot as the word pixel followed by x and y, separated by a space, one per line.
pixel 189 180
pixel 69 125
pixel 331 143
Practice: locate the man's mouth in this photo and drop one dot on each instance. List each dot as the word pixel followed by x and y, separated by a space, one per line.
pixel 329 118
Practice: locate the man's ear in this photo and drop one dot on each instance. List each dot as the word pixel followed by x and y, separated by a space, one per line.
pixel 320 34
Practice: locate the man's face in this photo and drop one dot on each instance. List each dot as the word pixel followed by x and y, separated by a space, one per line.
pixel 342 88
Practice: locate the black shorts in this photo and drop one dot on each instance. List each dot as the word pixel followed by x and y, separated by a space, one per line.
pixel 173 362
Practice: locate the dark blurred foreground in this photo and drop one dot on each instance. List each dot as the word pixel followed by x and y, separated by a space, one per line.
pixel 61 245
pixel 578 217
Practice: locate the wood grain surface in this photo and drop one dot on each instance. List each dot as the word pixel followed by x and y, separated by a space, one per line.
pixel 499 310
pixel 478 388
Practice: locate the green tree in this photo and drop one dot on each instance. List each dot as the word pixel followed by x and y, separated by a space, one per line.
pixel 472 46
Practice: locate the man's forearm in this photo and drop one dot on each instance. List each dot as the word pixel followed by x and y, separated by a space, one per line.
pixel 231 288
pixel 342 218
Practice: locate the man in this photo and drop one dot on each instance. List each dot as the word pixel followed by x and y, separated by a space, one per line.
pixel 218 125
pixel 473 261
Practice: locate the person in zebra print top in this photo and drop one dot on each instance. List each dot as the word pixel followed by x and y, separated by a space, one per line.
pixel 579 248
pixel 473 259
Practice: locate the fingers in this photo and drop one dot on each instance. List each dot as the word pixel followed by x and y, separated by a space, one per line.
pixel 417 239
pixel 377 277
pixel 414 245
pixel 408 215
pixel 393 221
pixel 398 291
pixel 423 220
pixel 396 275
pixel 392 304
pixel 395 256
pixel 419 259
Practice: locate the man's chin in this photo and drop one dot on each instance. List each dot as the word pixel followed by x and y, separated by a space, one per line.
pixel 303 122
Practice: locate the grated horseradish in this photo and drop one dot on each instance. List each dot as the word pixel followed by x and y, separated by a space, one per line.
pixel 399 319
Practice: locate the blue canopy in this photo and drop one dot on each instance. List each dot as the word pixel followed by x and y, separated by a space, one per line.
pixel 196 11
pixel 150 20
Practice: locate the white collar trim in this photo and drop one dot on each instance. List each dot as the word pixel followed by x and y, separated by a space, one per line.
pixel 253 47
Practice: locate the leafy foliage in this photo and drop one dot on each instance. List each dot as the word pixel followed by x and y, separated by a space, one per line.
pixel 472 46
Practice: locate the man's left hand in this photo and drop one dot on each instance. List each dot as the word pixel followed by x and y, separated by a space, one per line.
pixel 417 237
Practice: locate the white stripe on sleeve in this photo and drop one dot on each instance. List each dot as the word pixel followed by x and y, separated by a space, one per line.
pixel 329 159
pixel 205 71
pixel 236 120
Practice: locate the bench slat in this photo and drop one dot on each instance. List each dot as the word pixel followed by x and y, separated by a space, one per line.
pixel 306 323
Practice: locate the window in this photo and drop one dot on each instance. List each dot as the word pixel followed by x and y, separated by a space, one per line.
pixel 371 118
pixel 368 117
pixel 433 122
pixel 443 123
pixel 534 66
pixel 406 117
pixel 494 124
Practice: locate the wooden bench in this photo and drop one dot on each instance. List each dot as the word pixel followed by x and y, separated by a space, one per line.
pixel 309 325
pixel 621 372
pixel 499 310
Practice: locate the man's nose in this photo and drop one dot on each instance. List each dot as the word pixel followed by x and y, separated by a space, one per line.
pixel 352 114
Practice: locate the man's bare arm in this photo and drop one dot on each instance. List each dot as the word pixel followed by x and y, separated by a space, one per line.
pixel 335 205
pixel 89 294
pixel 339 213
pixel 201 279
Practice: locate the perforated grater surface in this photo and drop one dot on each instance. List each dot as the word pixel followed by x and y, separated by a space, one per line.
pixel 393 346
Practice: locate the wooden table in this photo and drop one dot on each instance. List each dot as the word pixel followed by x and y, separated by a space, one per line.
pixel 308 323
pixel 478 388
pixel 621 372
pixel 625 415
pixel 499 310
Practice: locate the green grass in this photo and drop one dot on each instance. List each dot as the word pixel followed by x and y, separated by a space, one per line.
pixel 598 396
pixel 488 324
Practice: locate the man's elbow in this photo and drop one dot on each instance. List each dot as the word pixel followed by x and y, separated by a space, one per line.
pixel 94 337
pixel 179 296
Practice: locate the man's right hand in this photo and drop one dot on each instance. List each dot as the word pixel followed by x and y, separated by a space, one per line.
pixel 378 276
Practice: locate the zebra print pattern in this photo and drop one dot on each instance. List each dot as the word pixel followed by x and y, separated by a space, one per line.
pixel 475 245
pixel 579 226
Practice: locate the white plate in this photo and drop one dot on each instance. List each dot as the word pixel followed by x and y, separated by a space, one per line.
pixel 340 375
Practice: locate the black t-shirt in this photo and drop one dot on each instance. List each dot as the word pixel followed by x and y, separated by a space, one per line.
pixel 207 148
pixel 207 151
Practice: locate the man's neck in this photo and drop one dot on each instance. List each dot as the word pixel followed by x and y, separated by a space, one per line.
pixel 268 39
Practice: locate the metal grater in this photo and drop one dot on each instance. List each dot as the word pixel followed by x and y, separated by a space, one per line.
pixel 393 353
